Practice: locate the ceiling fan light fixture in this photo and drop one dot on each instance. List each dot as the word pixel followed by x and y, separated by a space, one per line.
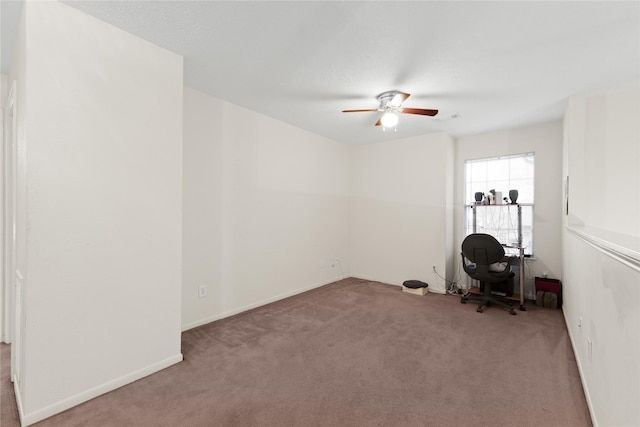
pixel 390 107
pixel 389 120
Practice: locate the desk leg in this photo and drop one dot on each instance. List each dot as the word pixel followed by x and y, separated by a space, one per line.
pixel 522 308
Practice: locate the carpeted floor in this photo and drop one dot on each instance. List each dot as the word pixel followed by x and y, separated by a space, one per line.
pixel 354 353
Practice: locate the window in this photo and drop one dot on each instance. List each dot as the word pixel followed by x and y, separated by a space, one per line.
pixel 501 174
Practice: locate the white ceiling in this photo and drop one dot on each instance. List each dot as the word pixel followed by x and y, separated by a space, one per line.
pixel 496 65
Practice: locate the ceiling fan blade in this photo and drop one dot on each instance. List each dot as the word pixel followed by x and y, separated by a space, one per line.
pixel 399 98
pixel 360 111
pixel 379 122
pixel 421 111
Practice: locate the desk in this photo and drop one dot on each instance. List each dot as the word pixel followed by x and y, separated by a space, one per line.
pixel 516 246
pixel 520 297
pixel 516 296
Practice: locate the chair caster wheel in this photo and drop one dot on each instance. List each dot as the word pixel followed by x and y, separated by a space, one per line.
pixel 463 301
pixel 512 312
pixel 479 309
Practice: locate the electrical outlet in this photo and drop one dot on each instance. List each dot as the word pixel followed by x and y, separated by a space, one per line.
pixel 335 262
pixel 202 291
pixel 589 348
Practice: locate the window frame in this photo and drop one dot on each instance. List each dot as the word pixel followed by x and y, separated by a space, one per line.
pixel 527 208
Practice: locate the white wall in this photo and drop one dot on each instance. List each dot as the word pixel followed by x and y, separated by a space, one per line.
pixel 545 140
pixel 3 99
pixel 603 162
pixel 400 215
pixel 265 209
pixel 601 251
pixel 15 153
pixel 102 134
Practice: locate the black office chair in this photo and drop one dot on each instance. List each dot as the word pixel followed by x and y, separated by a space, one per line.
pixel 480 255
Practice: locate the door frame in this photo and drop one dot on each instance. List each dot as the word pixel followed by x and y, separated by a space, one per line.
pixel 9 213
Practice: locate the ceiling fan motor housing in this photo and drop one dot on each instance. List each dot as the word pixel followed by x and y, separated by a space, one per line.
pixel 386 99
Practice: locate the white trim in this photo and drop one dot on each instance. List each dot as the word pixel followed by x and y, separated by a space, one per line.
pixel 18 395
pixel 247 307
pixel 583 381
pixel 506 156
pixel 8 238
pixel 63 405
pixel 602 241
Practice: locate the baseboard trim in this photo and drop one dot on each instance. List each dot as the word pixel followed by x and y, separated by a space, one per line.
pixel 256 304
pixel 16 392
pixel 63 405
pixel 594 420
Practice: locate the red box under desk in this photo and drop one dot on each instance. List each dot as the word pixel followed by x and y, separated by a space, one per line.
pixel 549 285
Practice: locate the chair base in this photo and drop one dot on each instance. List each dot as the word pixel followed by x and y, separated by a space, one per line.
pixel 486 300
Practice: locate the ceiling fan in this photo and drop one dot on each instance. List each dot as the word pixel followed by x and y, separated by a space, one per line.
pixel 390 106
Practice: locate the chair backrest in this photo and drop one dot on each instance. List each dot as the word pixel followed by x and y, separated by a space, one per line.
pixel 482 249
